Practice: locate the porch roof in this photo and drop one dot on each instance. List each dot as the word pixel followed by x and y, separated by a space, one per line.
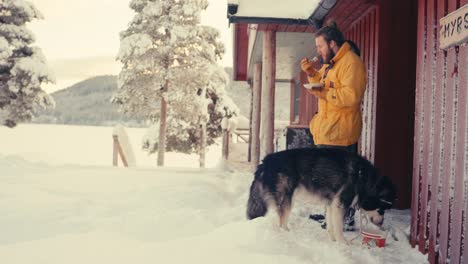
pixel 296 12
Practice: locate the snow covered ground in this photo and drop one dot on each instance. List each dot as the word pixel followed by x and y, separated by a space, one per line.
pixel 62 202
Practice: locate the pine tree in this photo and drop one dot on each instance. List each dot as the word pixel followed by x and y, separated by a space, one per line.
pixel 23 67
pixel 168 60
pixel 184 131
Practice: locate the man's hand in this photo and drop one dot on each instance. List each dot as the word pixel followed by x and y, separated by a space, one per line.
pixel 319 93
pixel 308 66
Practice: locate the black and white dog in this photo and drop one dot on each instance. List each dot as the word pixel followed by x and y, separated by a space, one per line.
pixel 335 178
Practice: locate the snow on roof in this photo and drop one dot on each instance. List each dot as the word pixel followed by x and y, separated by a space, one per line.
pixel 294 9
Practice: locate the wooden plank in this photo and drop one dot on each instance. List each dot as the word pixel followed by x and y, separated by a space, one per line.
pixel 373 84
pixel 372 80
pixel 460 72
pixel 370 87
pixel 449 149
pixel 460 157
pixel 268 90
pixel 428 104
pixel 256 113
pixel 437 156
pixel 365 116
pixel 418 129
pixel 463 65
pixel 365 50
pixel 365 106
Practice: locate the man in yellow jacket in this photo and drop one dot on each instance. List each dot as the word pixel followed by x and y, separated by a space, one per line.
pixel 343 79
pixel 338 122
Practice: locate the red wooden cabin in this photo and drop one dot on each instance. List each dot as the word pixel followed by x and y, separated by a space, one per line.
pixel 415 107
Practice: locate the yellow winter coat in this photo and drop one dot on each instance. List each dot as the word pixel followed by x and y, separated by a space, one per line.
pixel 338 121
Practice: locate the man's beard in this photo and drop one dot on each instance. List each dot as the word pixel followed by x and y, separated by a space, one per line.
pixel 329 56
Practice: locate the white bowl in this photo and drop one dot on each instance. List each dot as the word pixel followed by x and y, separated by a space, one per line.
pixel 313 85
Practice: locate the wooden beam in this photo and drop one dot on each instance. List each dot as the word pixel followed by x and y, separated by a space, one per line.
pixel 268 90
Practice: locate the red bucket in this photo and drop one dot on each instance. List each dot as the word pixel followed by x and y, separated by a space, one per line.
pixel 373 238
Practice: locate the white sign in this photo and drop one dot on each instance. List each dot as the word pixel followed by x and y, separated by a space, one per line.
pixel 454 28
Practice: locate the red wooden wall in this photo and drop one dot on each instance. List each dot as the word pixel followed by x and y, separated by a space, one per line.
pixel 440 183
pixel 365 34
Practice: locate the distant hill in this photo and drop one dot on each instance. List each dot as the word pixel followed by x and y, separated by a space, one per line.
pixel 87 103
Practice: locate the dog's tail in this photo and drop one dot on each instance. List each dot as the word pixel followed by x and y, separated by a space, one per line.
pixel 256 205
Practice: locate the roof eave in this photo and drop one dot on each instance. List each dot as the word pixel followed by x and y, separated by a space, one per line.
pixel 268 20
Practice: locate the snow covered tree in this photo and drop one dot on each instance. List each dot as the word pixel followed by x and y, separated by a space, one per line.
pixel 168 61
pixel 23 67
pixel 190 132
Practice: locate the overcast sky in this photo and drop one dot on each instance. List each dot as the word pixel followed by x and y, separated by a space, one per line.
pixel 80 38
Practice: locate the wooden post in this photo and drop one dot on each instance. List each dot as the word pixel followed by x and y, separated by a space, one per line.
pixel 249 157
pixel 118 151
pixel 268 90
pixel 115 159
pixel 257 99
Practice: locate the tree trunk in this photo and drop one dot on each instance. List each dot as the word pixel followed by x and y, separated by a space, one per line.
pixel 202 144
pixel 226 144
pixel 162 128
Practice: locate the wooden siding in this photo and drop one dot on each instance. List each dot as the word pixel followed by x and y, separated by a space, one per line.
pixel 364 33
pixel 440 184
